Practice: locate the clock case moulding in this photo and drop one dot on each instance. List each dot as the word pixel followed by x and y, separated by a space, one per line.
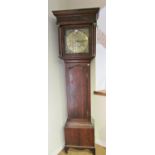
pixel 79 130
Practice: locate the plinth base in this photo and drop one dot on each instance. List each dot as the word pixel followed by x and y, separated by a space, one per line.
pixel 79 134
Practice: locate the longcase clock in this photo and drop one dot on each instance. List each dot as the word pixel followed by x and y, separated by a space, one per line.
pixel 77 46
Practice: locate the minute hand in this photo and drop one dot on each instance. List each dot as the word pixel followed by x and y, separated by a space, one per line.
pixel 80 40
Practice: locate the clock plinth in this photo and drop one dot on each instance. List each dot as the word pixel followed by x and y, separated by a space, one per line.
pixel 77 46
pixel 79 134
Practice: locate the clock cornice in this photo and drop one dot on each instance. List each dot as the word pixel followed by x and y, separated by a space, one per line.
pixel 76 16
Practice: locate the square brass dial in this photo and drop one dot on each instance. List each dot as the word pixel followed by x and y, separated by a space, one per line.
pixel 77 40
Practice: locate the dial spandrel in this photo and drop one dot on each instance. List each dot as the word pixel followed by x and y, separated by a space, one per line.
pixel 76 41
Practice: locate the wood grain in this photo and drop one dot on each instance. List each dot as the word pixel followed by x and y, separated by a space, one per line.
pixel 78 87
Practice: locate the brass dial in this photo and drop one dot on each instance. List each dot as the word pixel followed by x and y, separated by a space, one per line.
pixel 77 41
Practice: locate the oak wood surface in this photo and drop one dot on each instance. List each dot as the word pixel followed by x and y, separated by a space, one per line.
pixel 76 16
pixel 78 90
pixel 79 137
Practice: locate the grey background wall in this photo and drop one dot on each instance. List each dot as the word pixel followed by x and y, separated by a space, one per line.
pixel 56 89
pixel 57 112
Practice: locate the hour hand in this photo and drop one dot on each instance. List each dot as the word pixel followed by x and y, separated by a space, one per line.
pixel 80 40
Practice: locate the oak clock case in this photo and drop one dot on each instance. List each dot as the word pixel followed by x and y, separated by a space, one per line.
pixel 77 40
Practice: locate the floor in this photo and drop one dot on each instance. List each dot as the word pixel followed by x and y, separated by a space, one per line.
pixel 99 151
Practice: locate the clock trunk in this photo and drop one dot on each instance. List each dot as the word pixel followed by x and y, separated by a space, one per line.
pixel 78 90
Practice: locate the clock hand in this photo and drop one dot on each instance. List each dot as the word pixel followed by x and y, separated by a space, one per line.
pixel 81 40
